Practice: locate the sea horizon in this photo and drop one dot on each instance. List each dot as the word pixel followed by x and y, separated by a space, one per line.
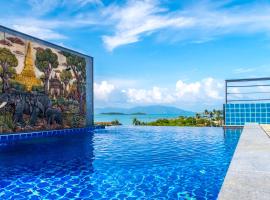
pixel 127 119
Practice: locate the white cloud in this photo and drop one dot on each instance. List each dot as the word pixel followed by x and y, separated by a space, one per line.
pixel 155 95
pixel 183 88
pixel 103 90
pixel 137 18
pixel 39 32
pixel 44 29
pixel 243 70
pixel 43 6
pixel 234 93
pixel 200 22
pixel 132 20
pixel 207 90
pixel 213 88
pixel 85 2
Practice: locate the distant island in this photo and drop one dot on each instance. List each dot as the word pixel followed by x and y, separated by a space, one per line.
pixel 119 113
pixel 145 110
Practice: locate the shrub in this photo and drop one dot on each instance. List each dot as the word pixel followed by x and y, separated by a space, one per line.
pixel 115 123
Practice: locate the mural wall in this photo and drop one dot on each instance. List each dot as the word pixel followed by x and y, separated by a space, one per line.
pixel 40 87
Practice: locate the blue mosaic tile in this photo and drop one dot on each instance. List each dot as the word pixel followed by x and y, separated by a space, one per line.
pixel 240 114
pixel 23 136
pixel 4 138
pixel 16 137
pixel 50 133
pixel 10 137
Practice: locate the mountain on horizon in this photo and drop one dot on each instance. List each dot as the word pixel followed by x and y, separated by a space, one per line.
pixel 155 109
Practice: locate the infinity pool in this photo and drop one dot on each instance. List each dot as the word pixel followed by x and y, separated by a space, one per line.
pixel 119 163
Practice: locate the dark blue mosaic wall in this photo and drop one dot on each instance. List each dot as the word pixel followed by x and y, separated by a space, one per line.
pixel 6 138
pixel 240 114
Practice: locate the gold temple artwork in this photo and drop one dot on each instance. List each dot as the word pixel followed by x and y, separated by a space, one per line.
pixel 28 77
pixel 41 87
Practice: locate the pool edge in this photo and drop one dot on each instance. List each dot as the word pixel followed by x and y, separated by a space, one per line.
pixel 7 138
pixel 249 172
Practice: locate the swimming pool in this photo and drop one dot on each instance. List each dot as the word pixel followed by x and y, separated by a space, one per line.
pixel 119 163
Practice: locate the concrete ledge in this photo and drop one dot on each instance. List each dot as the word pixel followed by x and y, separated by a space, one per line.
pixel 248 176
pixel 266 128
pixel 232 127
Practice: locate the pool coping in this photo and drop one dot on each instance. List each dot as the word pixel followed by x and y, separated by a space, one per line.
pixel 12 137
pixel 248 176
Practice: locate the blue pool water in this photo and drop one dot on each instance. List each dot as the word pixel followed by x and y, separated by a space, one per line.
pixel 119 163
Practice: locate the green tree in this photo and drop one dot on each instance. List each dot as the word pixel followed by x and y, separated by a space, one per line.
pixel 78 66
pixel 116 123
pixel 8 62
pixel 46 60
pixel 66 77
pixel 206 113
pixel 219 115
pixel 136 122
pixel 211 114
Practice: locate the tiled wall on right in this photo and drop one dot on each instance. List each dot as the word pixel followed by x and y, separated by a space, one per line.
pixel 240 114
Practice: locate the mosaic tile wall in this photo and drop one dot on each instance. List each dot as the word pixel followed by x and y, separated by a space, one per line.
pixel 240 114
pixel 7 138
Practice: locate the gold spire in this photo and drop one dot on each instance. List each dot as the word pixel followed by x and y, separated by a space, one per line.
pixel 28 77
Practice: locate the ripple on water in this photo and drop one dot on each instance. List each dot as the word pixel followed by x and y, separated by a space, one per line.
pixel 119 163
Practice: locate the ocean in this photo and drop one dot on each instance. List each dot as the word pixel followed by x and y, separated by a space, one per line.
pixel 127 119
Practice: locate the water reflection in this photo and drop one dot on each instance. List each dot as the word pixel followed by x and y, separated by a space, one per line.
pixel 46 167
pixel 231 136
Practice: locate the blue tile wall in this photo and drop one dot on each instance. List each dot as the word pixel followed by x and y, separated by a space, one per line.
pixel 240 114
pixel 4 138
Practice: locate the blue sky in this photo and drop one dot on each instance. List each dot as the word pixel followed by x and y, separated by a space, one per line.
pixel 155 51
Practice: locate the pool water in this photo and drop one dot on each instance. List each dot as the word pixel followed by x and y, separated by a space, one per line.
pixel 119 163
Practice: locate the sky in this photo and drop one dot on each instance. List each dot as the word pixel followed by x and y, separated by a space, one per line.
pixel 147 52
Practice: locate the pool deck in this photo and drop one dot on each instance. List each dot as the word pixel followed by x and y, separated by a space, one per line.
pixel 248 176
pixel 266 128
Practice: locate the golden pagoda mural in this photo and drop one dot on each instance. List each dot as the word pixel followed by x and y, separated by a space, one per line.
pixel 40 87
pixel 28 77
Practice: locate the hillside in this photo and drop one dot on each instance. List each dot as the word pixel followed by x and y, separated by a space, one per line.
pixel 147 110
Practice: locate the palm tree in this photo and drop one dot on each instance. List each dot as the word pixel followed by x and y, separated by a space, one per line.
pixel 219 115
pixel 211 114
pixel 198 115
pixel 136 122
pixel 206 112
